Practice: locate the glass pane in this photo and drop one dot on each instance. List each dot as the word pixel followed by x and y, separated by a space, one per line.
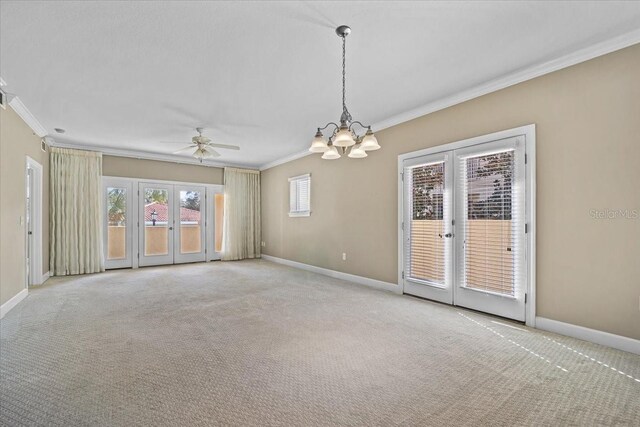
pixel 116 226
pixel 489 254
pixel 427 225
pixel 190 222
pixel 219 210
pixel 156 225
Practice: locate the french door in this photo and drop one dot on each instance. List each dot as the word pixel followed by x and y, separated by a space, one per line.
pixel 155 224
pixel 118 223
pixel 464 227
pixel 171 224
pixel 176 222
pixel 428 227
pixel 189 213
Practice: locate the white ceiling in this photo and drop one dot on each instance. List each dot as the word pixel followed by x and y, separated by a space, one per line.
pixel 264 75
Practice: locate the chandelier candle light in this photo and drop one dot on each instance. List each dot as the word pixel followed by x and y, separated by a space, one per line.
pixel 344 135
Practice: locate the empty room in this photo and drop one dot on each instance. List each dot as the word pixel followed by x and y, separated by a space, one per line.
pixel 319 213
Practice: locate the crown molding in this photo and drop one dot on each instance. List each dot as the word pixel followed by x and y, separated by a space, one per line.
pixel 581 55
pixel 286 159
pixel 28 118
pixel 520 76
pixel 144 155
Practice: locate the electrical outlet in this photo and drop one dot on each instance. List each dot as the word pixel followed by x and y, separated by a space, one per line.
pixel 264 244
pixel 344 256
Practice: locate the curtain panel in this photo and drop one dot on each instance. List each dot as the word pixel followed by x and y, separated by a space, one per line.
pixel 241 231
pixel 75 212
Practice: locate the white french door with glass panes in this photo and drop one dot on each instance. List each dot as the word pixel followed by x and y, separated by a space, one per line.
pixel 428 227
pixel 464 240
pixel 118 225
pixel 155 224
pixel 172 223
pixel 189 242
pixel 490 242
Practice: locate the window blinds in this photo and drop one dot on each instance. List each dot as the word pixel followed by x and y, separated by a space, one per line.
pixel 300 195
pixel 426 223
pixel 490 213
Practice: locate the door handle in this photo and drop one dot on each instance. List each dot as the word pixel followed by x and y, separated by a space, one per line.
pixel 170 228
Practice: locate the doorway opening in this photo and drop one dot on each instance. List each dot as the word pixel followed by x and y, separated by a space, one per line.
pixel 33 223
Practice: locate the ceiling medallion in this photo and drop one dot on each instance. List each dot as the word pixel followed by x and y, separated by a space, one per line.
pixel 344 135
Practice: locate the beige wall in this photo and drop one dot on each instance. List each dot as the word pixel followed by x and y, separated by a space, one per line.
pixel 152 169
pixel 17 141
pixel 588 155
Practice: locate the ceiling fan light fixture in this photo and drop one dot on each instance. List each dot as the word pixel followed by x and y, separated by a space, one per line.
pixel 210 152
pixel 201 147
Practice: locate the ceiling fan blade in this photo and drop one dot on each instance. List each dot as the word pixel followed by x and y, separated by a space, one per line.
pixel 174 142
pixel 229 147
pixel 182 150
pixel 209 152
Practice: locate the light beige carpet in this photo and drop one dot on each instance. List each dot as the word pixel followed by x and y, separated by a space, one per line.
pixel 255 343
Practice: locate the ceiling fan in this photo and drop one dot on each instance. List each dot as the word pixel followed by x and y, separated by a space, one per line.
pixel 202 147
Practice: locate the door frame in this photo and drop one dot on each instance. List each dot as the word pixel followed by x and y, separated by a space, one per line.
pixel 529 134
pixel 35 257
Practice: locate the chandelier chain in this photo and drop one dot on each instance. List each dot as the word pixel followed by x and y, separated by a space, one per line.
pixel 344 74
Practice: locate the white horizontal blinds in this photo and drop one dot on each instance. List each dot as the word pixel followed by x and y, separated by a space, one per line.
pixel 490 222
pixel 303 194
pixel 300 194
pixel 426 222
pixel 293 196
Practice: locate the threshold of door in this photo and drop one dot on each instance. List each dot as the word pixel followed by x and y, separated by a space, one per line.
pixel 458 307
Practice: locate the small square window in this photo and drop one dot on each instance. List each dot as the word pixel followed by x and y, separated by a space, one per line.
pixel 300 195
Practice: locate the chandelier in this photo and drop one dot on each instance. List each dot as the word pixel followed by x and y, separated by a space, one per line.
pixel 344 135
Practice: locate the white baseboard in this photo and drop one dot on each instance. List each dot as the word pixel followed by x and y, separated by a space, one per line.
pixel 45 277
pixel 4 308
pixel 599 337
pixel 378 284
pixel 603 338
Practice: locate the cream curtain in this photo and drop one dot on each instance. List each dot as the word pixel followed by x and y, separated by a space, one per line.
pixel 75 212
pixel 241 231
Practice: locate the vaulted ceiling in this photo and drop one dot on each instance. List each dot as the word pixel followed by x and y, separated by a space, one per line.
pixel 264 75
